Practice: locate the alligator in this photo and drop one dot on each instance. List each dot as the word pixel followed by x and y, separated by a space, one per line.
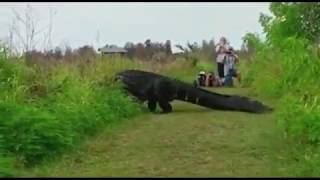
pixel 159 89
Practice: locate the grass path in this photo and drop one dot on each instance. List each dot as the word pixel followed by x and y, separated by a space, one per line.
pixel 191 141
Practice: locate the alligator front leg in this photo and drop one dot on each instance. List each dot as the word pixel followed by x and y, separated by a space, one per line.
pixel 165 106
pixel 152 103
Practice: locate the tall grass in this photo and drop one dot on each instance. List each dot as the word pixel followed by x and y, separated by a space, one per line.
pixel 45 111
pixel 186 70
pixel 290 72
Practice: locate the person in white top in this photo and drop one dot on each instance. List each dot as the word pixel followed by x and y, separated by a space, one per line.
pixel 221 49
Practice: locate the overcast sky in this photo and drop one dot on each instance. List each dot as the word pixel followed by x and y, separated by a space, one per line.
pixel 77 24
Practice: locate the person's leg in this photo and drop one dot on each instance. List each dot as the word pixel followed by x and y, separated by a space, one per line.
pixel 225 69
pixel 222 74
pixel 221 70
pixel 203 80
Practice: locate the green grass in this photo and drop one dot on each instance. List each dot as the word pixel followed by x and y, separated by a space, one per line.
pixel 289 71
pixel 46 111
pixel 186 71
pixel 191 141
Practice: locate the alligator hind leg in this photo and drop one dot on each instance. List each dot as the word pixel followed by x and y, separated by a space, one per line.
pixel 165 106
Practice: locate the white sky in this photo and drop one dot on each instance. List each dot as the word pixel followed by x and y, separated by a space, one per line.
pixel 77 24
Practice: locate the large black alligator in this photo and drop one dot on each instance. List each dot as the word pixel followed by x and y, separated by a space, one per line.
pixel 156 88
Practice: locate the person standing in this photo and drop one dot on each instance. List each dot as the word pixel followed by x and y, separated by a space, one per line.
pixel 230 64
pixel 221 49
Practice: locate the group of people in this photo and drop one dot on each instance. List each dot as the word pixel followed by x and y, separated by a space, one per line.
pixel 208 80
pixel 226 66
pixel 226 61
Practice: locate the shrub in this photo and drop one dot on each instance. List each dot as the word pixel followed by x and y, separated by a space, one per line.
pixel 46 111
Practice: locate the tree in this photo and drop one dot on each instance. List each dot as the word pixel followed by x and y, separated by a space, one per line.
pixel 25 32
pixel 47 39
pixel 129 46
pixel 299 19
pixel 25 29
pixel 180 47
pixel 68 54
pixel 148 43
pixel 168 47
pixel 86 51
pixel 212 43
pixel 140 51
pixel 311 20
pixel 208 49
pixel 251 41
pixel 58 53
pixel 193 47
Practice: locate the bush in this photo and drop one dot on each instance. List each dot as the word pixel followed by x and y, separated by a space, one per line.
pixel 287 67
pixel 6 167
pixel 48 110
pixel 290 72
pixel 300 119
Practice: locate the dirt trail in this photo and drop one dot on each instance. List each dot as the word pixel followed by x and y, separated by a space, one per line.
pixel 191 141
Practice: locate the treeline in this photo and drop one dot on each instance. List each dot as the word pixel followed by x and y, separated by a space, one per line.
pixel 69 55
pixel 162 51
pixel 148 51
pixel 22 38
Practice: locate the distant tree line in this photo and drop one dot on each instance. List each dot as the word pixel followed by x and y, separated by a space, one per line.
pixel 148 50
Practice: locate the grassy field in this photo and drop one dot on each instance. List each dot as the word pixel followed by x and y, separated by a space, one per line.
pixel 191 141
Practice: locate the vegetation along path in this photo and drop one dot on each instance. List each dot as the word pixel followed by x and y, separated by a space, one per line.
pixel 191 141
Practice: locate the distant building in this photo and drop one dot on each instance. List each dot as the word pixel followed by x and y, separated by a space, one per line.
pixel 112 50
